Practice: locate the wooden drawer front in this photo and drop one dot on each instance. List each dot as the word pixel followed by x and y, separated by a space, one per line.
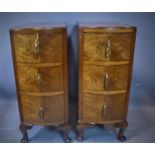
pixel 40 79
pixel 38 47
pixel 105 78
pixel 103 47
pixel 37 109
pixel 103 108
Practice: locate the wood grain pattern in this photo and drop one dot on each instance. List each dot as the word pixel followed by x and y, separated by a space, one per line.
pixel 93 65
pixel 42 93
pixel 41 64
pixel 51 91
pixel 53 109
pixel 80 70
pixel 108 30
pixel 51 78
pixel 65 76
pixel 106 63
pixel 40 27
pixel 105 92
pixel 106 27
pixel 93 108
pixel 93 77
pixel 50 47
pixel 95 46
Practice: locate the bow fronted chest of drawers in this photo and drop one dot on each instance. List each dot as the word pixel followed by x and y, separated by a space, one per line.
pixel 105 65
pixel 41 74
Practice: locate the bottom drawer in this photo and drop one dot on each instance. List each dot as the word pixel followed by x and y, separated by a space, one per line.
pixel 104 108
pixel 43 109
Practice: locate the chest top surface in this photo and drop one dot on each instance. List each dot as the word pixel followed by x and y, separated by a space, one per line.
pixel 105 27
pixel 40 26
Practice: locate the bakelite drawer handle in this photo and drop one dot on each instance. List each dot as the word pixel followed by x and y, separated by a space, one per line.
pixel 38 79
pixel 108 49
pixel 36 47
pixel 106 81
pixel 41 113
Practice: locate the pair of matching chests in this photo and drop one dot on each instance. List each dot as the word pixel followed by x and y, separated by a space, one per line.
pixel 105 61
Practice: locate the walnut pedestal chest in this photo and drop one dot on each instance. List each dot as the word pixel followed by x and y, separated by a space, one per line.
pixel 40 65
pixel 105 66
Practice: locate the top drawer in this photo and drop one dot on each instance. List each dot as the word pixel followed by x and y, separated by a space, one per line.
pixel 38 47
pixel 107 47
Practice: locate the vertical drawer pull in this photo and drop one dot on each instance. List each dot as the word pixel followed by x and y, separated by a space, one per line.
pixel 108 49
pixel 36 47
pixel 106 78
pixel 41 113
pixel 104 109
pixel 38 79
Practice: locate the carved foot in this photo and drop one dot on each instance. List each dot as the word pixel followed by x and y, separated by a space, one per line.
pixel 122 127
pixel 64 130
pixel 65 137
pixel 79 136
pixel 24 139
pixel 80 130
pixel 121 137
pixel 23 128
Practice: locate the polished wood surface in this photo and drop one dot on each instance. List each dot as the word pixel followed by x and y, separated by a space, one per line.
pixel 105 92
pixel 111 25
pixel 93 77
pixel 40 79
pixel 106 27
pixel 50 47
pixel 40 66
pixel 93 108
pixel 41 27
pixel 93 66
pixel 105 65
pixel 53 109
pixel 95 46
pixel 43 93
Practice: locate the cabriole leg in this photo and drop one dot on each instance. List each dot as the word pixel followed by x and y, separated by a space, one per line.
pixel 23 128
pixel 64 130
pixel 122 127
pixel 79 136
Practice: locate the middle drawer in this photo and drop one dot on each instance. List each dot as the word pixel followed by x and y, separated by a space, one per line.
pixel 105 78
pixel 38 78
